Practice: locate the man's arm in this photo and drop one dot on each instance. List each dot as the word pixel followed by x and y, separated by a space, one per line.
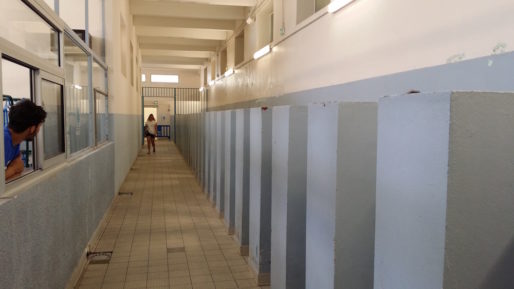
pixel 14 168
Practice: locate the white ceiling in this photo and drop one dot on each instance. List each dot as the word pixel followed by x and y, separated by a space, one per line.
pixel 183 34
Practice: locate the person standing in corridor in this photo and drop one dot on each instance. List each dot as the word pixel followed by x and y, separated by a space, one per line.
pixel 150 131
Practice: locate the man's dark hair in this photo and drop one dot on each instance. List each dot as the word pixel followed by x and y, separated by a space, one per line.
pixel 24 114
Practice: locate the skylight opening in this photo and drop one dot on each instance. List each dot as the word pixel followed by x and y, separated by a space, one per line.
pixel 164 78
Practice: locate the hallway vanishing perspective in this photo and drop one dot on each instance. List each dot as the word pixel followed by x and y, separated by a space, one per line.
pixel 164 233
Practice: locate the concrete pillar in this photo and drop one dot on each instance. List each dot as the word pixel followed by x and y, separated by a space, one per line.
pixel 341 166
pixel 445 214
pixel 220 163
pixel 230 138
pixel 288 197
pixel 206 155
pixel 260 194
pixel 242 179
pixel 213 157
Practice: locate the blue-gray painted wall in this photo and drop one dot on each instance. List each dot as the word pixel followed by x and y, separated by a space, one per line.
pixel 45 229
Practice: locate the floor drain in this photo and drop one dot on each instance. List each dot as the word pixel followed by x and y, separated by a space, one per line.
pixel 176 250
pixel 125 193
pixel 99 257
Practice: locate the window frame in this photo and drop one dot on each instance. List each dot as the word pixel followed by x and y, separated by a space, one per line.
pixel 41 76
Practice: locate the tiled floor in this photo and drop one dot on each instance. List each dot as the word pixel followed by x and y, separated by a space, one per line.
pixel 166 234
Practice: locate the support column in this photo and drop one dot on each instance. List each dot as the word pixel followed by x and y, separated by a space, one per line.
pixel 341 170
pixel 242 179
pixel 288 197
pixel 230 160
pixel 445 168
pixel 220 163
pixel 260 194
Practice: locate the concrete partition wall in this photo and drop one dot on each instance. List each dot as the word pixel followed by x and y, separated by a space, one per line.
pixel 220 164
pixel 260 194
pixel 445 213
pixel 341 170
pixel 213 156
pixel 230 138
pixel 242 178
pixel 288 197
pixel 206 155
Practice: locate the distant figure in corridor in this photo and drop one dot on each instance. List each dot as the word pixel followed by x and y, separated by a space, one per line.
pixel 150 131
pixel 25 119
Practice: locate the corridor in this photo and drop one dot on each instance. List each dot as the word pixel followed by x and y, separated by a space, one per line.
pixel 164 233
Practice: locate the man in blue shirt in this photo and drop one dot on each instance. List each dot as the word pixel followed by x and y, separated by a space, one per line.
pixel 25 119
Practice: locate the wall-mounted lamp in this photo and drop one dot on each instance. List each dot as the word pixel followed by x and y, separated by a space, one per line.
pixel 261 52
pixel 250 20
pixel 78 87
pixel 201 89
pixel 212 82
pixel 229 72
pixel 337 4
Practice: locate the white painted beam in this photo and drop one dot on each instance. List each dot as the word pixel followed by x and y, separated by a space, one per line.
pixel 193 33
pixel 180 53
pixel 161 21
pixel 173 60
pixel 187 10
pixel 171 66
pixel 176 47
pixel 246 3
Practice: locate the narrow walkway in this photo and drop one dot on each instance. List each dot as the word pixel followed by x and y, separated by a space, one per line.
pixel 165 234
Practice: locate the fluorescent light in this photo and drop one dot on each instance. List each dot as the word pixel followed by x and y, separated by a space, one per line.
pixel 337 4
pixel 229 72
pixel 78 87
pixel 167 78
pixel 261 52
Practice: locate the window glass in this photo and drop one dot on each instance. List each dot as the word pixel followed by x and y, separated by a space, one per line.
pixel 100 89
pixel 96 27
pixel 50 3
pixel 73 12
pixel 23 27
pixel 77 95
pixel 16 85
pixel 53 127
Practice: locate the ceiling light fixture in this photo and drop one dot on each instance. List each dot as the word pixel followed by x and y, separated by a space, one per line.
pixel 337 4
pixel 229 72
pixel 261 52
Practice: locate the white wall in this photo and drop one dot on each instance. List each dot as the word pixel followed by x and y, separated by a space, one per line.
pixel 369 39
pixel 124 99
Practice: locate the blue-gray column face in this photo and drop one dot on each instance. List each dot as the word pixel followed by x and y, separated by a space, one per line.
pixel 289 167
pixel 212 191
pixel 480 199
pixel 206 152
pixel 321 199
pixel 355 195
pixel 230 137
pixel 412 170
pixel 242 174
pixel 260 190
pixel 220 164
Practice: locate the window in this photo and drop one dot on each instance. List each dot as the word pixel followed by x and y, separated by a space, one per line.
pixel 77 95
pixel 53 127
pixel 143 77
pixel 96 27
pixel 23 27
pixel 223 61
pixel 170 78
pixel 239 49
pixel 17 83
pixel 100 98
